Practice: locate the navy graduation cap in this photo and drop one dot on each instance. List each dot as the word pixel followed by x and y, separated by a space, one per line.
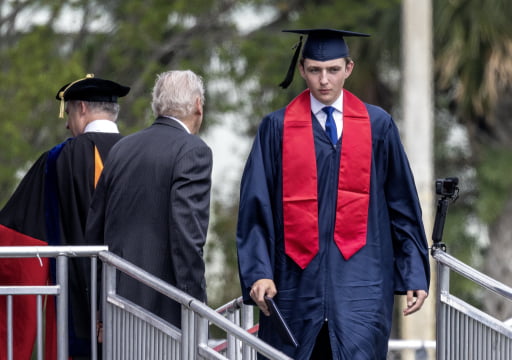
pixel 90 88
pixel 321 45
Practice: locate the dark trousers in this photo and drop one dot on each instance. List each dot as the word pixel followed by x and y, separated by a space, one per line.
pixel 322 349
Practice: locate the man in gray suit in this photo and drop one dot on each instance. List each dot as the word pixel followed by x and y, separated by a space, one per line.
pixel 151 205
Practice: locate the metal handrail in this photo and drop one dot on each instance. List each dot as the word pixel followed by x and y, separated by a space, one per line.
pixel 231 306
pixel 472 274
pixel 462 330
pixel 215 317
pixel 191 303
pixel 61 253
pixel 49 251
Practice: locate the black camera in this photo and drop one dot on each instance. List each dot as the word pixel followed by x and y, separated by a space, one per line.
pixel 447 186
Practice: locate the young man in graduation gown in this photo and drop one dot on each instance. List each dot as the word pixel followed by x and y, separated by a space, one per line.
pixel 329 222
pixel 50 207
pixel 152 203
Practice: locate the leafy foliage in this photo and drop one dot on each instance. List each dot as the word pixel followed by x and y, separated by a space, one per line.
pixel 495 182
pixel 46 44
pixel 473 48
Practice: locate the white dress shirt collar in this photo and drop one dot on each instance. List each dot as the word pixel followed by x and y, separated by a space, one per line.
pixel 316 109
pixel 105 126
pixel 178 121
pixel 317 106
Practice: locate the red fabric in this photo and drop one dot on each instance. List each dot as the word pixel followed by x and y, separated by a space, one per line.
pixel 300 198
pixel 23 271
pixel 354 178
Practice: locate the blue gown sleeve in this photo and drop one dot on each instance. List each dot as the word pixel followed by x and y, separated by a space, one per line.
pixel 412 269
pixel 255 229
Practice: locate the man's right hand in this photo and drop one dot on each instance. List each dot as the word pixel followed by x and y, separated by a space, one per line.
pixel 261 288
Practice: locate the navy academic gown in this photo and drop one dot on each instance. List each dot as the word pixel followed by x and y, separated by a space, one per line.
pixel 355 296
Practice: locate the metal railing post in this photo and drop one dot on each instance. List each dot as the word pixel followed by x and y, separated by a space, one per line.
pixel 9 328
pixel 39 327
pixel 94 299
pixel 202 332
pixel 247 313
pixel 62 308
pixel 185 333
pixel 109 287
pixel 443 287
pixel 231 350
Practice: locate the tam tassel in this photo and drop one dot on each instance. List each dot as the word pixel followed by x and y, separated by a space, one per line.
pixel 61 111
pixel 62 93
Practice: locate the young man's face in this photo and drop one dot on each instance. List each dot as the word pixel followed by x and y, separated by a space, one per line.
pixel 325 79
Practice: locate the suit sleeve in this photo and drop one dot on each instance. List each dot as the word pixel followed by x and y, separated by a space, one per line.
pixel 189 212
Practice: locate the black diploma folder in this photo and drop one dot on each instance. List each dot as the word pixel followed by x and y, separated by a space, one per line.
pixel 279 323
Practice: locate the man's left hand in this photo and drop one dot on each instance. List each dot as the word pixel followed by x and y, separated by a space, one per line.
pixel 415 300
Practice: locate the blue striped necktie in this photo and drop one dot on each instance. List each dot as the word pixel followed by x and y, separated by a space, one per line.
pixel 330 125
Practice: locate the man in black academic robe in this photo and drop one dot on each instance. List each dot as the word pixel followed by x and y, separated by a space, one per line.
pixel 50 207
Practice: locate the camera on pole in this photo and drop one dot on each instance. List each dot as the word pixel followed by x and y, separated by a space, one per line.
pixel 448 191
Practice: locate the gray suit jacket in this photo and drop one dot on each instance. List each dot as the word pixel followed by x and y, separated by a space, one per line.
pixel 151 207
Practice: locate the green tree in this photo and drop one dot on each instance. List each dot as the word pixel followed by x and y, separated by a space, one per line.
pixel 473 42
pixel 45 44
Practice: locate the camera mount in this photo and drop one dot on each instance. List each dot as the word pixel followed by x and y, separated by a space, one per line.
pixel 448 190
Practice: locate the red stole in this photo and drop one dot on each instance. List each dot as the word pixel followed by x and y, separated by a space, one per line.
pixel 300 198
pixel 28 272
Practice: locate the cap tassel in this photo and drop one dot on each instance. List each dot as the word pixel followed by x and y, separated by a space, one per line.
pixel 291 70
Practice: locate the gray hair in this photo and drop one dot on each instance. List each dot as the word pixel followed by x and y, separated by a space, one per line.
pixel 175 93
pixel 101 107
